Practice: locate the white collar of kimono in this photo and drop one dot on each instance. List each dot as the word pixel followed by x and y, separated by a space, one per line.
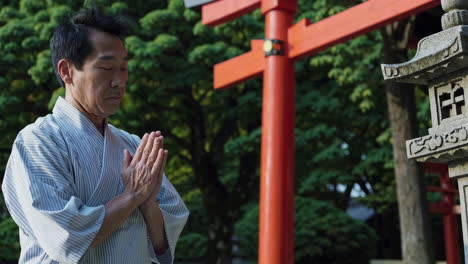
pixel 76 118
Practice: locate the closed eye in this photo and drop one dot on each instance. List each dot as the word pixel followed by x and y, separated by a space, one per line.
pixel 104 68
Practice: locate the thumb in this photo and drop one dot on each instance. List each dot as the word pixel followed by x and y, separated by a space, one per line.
pixel 127 159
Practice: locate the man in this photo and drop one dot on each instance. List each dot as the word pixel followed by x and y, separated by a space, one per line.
pixel 71 184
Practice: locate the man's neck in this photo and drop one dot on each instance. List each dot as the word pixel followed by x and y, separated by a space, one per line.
pixel 98 121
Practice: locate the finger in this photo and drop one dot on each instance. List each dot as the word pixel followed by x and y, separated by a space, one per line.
pixel 148 147
pixel 154 152
pixel 139 151
pixel 161 172
pixel 158 133
pixel 157 165
pixel 127 159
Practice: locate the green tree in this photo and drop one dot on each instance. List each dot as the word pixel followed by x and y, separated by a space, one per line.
pixel 340 121
pixel 9 244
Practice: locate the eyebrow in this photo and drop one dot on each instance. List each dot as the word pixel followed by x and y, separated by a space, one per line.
pixel 111 58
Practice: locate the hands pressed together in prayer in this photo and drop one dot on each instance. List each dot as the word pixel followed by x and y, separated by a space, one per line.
pixel 142 176
pixel 142 173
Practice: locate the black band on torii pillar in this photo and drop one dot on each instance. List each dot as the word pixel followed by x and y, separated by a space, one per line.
pixel 273 47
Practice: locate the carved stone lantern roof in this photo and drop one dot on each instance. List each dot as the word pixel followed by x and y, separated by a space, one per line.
pixel 438 55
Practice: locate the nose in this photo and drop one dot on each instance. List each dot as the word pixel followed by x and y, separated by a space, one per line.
pixel 119 79
pixel 116 82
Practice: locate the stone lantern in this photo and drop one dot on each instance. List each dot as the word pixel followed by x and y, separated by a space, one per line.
pixel 441 63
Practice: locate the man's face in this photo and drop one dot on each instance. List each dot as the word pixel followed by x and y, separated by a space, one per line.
pixel 100 85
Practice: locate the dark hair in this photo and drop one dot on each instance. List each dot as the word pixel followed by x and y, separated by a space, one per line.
pixel 71 40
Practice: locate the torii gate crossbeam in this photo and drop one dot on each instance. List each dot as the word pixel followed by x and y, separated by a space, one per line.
pixel 285 43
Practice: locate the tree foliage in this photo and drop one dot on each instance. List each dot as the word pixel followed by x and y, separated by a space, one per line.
pixel 9 244
pixel 322 232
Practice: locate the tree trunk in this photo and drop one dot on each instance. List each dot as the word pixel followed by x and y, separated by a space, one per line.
pixel 220 240
pixel 411 190
pixel 216 202
pixel 224 207
pixel 223 203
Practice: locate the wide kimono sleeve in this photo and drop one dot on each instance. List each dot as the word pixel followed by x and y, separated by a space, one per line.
pixel 175 215
pixel 39 193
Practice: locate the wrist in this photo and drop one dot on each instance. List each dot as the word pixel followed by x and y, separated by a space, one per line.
pixel 131 199
pixel 149 204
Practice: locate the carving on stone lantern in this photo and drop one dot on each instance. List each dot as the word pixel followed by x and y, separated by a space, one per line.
pixel 450 99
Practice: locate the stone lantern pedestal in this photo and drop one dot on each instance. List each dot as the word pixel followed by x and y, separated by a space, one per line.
pixel 441 63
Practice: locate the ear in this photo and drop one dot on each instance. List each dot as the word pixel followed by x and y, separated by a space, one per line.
pixel 64 68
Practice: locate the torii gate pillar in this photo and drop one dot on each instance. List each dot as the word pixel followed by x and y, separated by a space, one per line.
pixel 276 244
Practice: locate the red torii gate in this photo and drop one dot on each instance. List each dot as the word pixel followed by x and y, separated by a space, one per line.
pixel 447 207
pixel 284 43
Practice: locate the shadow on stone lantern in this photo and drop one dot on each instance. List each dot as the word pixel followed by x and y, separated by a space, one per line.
pixel 441 62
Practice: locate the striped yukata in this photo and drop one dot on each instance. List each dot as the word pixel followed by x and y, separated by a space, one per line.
pixel 59 176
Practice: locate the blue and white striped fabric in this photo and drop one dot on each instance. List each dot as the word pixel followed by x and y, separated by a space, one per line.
pixel 60 174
